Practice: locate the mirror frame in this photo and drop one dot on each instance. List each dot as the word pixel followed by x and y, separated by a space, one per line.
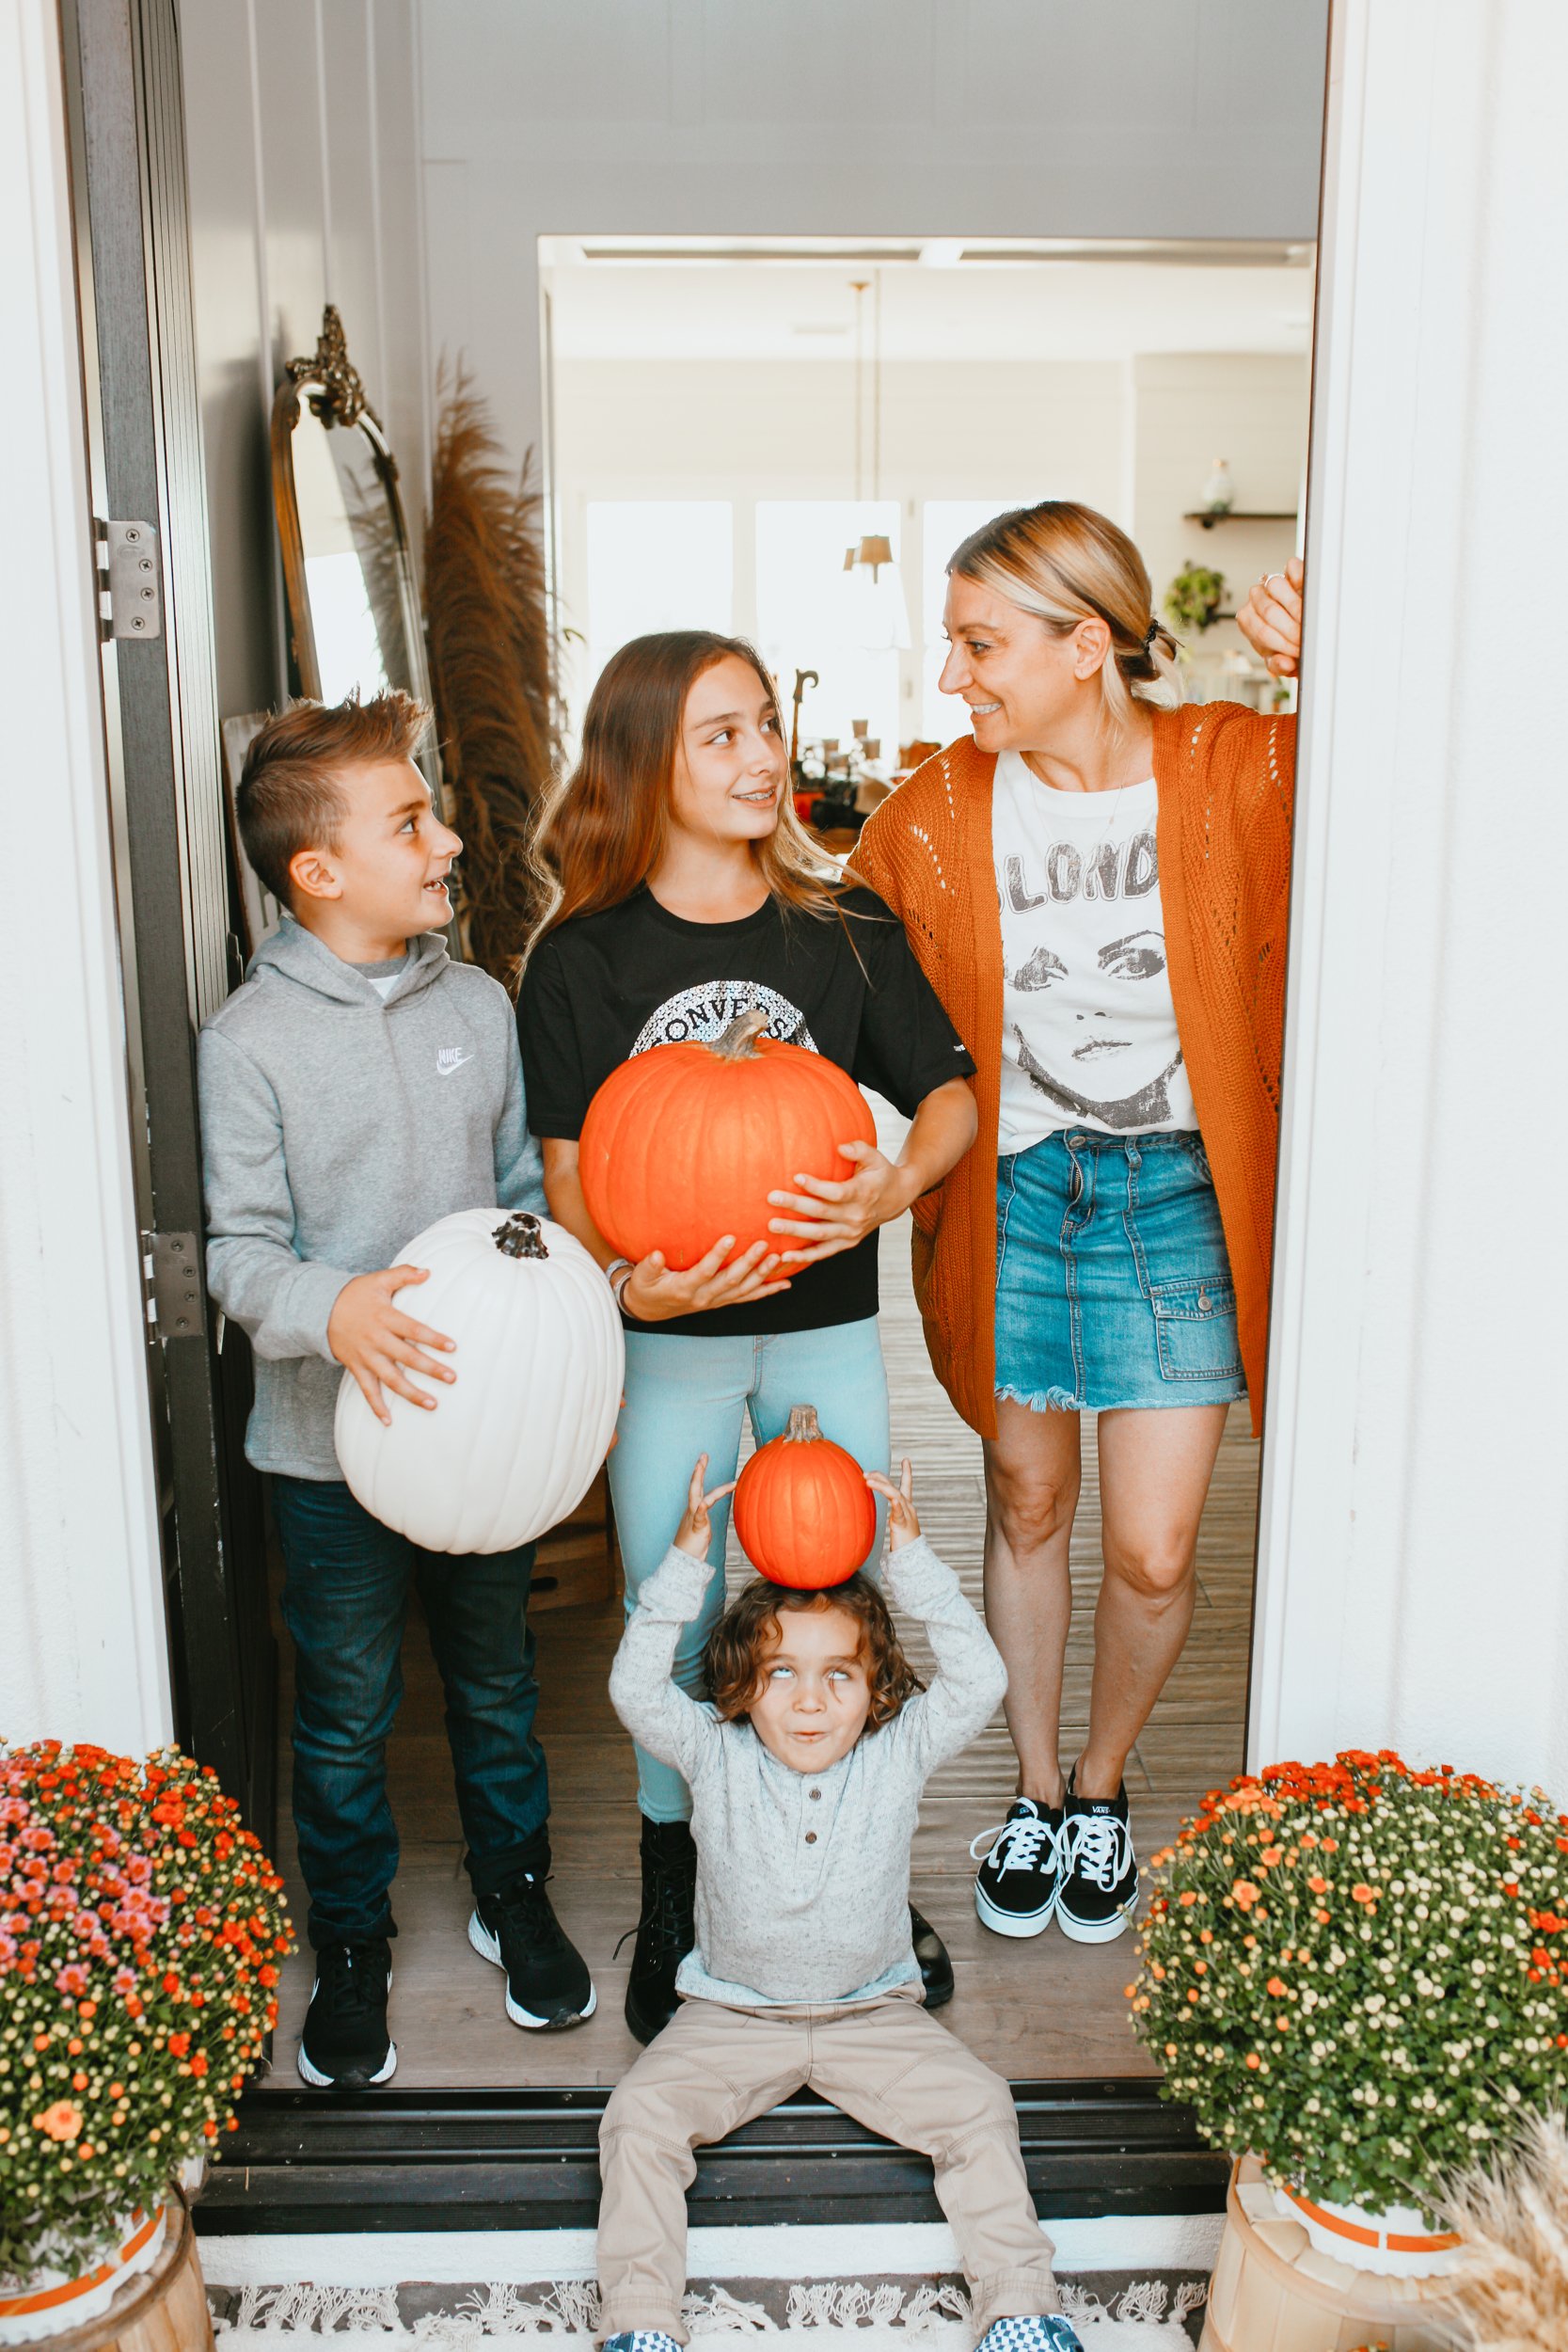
pixel 336 394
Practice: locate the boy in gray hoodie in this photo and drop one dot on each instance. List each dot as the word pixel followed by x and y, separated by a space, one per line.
pixel 359 1085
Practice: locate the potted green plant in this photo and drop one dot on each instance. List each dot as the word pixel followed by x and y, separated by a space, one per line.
pixel 1357 1974
pixel 141 1933
pixel 1193 598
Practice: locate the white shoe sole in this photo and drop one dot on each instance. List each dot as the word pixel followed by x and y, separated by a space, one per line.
pixel 488 1948
pixel 318 2081
pixel 1097 1930
pixel 1009 1922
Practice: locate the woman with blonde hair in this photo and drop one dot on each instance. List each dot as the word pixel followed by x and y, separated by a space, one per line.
pixel 1096 884
pixel 684 895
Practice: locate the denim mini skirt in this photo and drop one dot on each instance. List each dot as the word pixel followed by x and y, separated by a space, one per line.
pixel 1113 1286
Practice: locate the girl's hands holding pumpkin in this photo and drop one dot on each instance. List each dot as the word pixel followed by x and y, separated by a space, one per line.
pixel 695 1531
pixel 653 1292
pixel 902 1526
pixel 832 1216
pixel 840 1215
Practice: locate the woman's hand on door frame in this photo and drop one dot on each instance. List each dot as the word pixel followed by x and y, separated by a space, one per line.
pixel 1270 620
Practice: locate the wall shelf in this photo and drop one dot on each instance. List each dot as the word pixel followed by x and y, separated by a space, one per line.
pixel 1243 514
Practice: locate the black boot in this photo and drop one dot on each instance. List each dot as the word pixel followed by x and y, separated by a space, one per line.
pixel 936 1969
pixel 666 1930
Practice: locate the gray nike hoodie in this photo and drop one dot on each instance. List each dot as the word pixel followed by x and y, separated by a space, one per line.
pixel 334 1126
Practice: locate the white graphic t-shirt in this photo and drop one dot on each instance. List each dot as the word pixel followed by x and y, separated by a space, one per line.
pixel 1088 1029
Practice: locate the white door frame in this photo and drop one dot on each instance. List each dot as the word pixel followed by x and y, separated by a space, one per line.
pixel 1414 1518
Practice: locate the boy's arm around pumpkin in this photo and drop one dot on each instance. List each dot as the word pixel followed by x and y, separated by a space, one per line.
pixel 971 1679
pixel 652 1708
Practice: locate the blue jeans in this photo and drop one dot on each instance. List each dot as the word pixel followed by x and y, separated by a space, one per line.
pixel 345 1603
pixel 685 1396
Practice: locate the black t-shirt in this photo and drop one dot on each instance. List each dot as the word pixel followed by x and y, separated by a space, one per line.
pixel 606 986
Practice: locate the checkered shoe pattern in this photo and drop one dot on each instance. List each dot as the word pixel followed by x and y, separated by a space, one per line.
pixel 1035 2331
pixel 649 2340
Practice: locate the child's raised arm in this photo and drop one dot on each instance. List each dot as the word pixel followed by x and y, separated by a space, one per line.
pixel 652 1708
pixel 971 1678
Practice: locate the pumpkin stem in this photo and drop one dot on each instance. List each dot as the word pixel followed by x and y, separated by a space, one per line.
pixel 802 1425
pixel 520 1236
pixel 738 1043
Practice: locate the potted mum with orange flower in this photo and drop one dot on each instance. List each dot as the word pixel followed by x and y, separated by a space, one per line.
pixel 141 1933
pixel 1357 1974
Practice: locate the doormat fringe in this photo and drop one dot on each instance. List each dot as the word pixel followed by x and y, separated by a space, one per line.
pixel 1145 2317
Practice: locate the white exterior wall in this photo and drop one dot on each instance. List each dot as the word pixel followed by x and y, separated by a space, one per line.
pixel 81 1645
pixel 1412 1586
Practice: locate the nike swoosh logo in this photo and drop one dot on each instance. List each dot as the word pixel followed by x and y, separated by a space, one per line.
pixel 451 1058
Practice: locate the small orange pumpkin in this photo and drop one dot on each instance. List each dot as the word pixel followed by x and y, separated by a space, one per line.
pixel 803 1512
pixel 684 1143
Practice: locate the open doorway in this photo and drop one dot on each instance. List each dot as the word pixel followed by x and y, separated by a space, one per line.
pixel 727 419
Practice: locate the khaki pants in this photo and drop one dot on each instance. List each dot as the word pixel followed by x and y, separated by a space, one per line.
pixel 887 2064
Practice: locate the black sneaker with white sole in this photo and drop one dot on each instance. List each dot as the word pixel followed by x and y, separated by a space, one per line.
pixel 345 2045
pixel 1100 1886
pixel 1017 1885
pixel 548 1983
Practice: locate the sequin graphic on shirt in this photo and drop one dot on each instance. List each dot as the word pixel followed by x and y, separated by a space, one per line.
pixel 697 1015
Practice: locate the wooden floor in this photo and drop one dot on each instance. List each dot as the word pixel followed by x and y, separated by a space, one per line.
pixel 1035 2009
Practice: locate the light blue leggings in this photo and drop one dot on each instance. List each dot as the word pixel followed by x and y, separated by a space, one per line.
pixel 685 1396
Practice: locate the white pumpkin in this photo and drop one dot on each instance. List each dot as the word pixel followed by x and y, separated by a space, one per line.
pixel 516 1440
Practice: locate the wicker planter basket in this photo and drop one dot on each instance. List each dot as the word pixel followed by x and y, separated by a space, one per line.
pixel 160 2310
pixel 1274 2291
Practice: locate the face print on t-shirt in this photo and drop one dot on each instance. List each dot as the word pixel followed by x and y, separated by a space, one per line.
pixel 1090 1027
pixel 695 1016
pixel 1103 1059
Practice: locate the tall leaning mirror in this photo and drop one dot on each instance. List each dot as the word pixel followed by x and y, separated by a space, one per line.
pixel 354 600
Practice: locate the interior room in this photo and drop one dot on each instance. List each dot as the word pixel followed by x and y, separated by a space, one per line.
pixel 725 418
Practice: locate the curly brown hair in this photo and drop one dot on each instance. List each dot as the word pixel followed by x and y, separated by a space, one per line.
pixel 741 1645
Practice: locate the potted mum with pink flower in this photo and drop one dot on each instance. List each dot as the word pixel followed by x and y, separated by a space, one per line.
pixel 141 1933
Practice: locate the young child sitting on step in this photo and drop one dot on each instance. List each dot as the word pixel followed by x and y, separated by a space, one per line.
pixel 805 1772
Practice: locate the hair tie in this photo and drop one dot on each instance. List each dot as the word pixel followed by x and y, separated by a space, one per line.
pixel 1150 635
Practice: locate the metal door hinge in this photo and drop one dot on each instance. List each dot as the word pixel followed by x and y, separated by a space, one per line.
pixel 130 583
pixel 171 1285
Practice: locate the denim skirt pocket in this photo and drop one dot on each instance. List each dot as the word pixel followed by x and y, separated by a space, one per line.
pixel 1195 1331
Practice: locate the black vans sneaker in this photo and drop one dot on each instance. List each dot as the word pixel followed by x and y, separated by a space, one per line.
pixel 345 2045
pixel 548 1983
pixel 1099 1888
pixel 1018 1884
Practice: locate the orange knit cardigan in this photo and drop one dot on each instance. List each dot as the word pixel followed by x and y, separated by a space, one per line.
pixel 1226 777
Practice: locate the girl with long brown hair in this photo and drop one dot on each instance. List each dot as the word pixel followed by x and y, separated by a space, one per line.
pixel 683 894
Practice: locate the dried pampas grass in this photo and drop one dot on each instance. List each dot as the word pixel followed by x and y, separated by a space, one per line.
pixel 490 665
pixel 1513 2292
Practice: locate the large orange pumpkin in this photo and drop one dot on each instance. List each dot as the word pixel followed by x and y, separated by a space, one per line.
pixel 803 1512
pixel 684 1143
